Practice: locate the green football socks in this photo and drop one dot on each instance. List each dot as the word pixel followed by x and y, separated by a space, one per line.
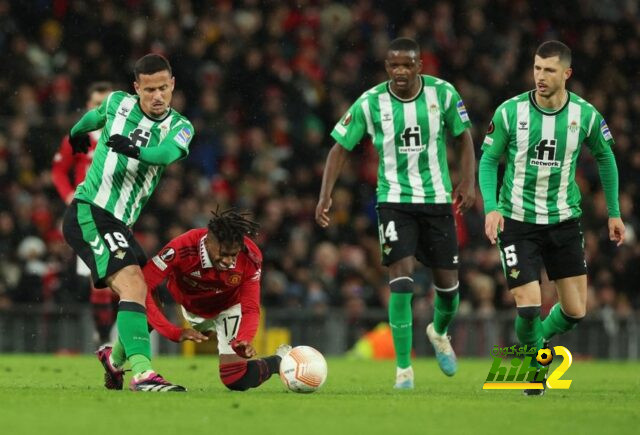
pixel 445 308
pixel 557 322
pixel 134 335
pixel 401 319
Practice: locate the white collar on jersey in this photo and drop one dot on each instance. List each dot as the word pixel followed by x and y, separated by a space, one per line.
pixel 204 255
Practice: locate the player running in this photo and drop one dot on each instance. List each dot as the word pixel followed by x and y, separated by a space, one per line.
pixel 141 135
pixel 537 217
pixel 68 171
pixel 214 274
pixel 408 118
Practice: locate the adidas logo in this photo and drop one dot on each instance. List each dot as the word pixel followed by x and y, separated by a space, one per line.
pixel 195 273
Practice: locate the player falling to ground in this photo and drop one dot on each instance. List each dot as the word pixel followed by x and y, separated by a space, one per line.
pixel 537 217
pixel 214 274
pixel 68 171
pixel 141 135
pixel 408 118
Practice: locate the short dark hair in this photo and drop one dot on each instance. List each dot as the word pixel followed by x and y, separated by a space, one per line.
pixel 150 64
pixel 404 44
pixel 555 48
pixel 230 226
pixel 99 87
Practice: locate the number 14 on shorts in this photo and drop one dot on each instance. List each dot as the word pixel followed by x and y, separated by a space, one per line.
pixel 389 234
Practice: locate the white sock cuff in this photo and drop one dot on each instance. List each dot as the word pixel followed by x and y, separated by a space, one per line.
pixel 450 289
pixel 400 278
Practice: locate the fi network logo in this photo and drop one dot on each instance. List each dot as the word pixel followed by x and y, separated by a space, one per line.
pixel 520 374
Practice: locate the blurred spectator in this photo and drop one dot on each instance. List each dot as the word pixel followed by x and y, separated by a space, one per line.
pixel 263 82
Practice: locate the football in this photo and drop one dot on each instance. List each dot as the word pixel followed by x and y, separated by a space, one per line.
pixel 303 369
pixel 544 356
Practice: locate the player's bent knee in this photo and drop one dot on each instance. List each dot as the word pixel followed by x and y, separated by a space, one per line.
pixel 529 312
pixel 232 375
pixel 574 314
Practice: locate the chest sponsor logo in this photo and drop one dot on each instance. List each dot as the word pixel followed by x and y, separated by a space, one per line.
pixel 411 141
pixel 545 154
pixel 140 137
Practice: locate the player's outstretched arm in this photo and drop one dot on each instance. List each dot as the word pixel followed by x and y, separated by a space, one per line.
pixel 335 161
pixel 94 119
pixel 465 192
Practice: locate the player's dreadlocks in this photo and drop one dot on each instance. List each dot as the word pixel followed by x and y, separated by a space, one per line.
pixel 230 226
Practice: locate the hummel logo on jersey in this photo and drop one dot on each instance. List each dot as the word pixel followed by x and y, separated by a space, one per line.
pixel 523 125
pixel 455 259
pixel 386 117
pixel 546 154
pixel 195 273
pixel 124 111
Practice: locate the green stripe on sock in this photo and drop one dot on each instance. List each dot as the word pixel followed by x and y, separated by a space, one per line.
pixel 401 322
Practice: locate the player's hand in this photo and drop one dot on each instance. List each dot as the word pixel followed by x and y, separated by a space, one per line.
pixel 193 335
pixel 80 143
pixel 243 349
pixel 492 222
pixel 616 230
pixel 123 145
pixel 322 210
pixel 464 195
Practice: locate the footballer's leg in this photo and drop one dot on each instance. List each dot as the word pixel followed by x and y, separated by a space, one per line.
pixel 238 373
pixel 565 315
pixel 565 263
pixel 398 241
pixel 438 249
pixel 446 304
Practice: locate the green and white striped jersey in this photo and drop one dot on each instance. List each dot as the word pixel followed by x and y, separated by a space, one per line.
pixel 541 151
pixel 119 184
pixel 410 139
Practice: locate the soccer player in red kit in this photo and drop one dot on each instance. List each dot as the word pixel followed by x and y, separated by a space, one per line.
pixel 67 172
pixel 214 274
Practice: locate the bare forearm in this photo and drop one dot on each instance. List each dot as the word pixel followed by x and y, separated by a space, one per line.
pixel 335 161
pixel 467 157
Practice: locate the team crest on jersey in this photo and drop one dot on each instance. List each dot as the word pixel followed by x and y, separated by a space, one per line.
pixel 433 109
pixel 347 119
pixel 168 254
pixel 573 127
pixel 234 279
pixel 604 128
pixel 183 137
pixel 462 111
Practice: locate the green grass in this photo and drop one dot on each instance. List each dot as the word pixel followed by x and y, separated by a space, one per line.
pixel 63 395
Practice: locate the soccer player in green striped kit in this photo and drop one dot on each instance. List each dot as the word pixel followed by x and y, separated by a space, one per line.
pixel 536 219
pixel 408 118
pixel 141 135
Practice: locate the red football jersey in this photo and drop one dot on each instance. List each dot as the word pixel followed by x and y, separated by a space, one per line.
pixel 64 160
pixel 202 289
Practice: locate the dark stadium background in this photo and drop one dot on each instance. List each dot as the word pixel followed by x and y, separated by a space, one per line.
pixel 263 84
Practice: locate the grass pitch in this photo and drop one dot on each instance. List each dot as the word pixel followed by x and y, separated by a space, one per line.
pixel 49 395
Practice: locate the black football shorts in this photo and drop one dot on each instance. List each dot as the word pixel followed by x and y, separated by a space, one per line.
pixel 424 231
pixel 526 247
pixel 103 242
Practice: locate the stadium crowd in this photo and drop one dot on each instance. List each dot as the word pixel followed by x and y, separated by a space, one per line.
pixel 263 84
